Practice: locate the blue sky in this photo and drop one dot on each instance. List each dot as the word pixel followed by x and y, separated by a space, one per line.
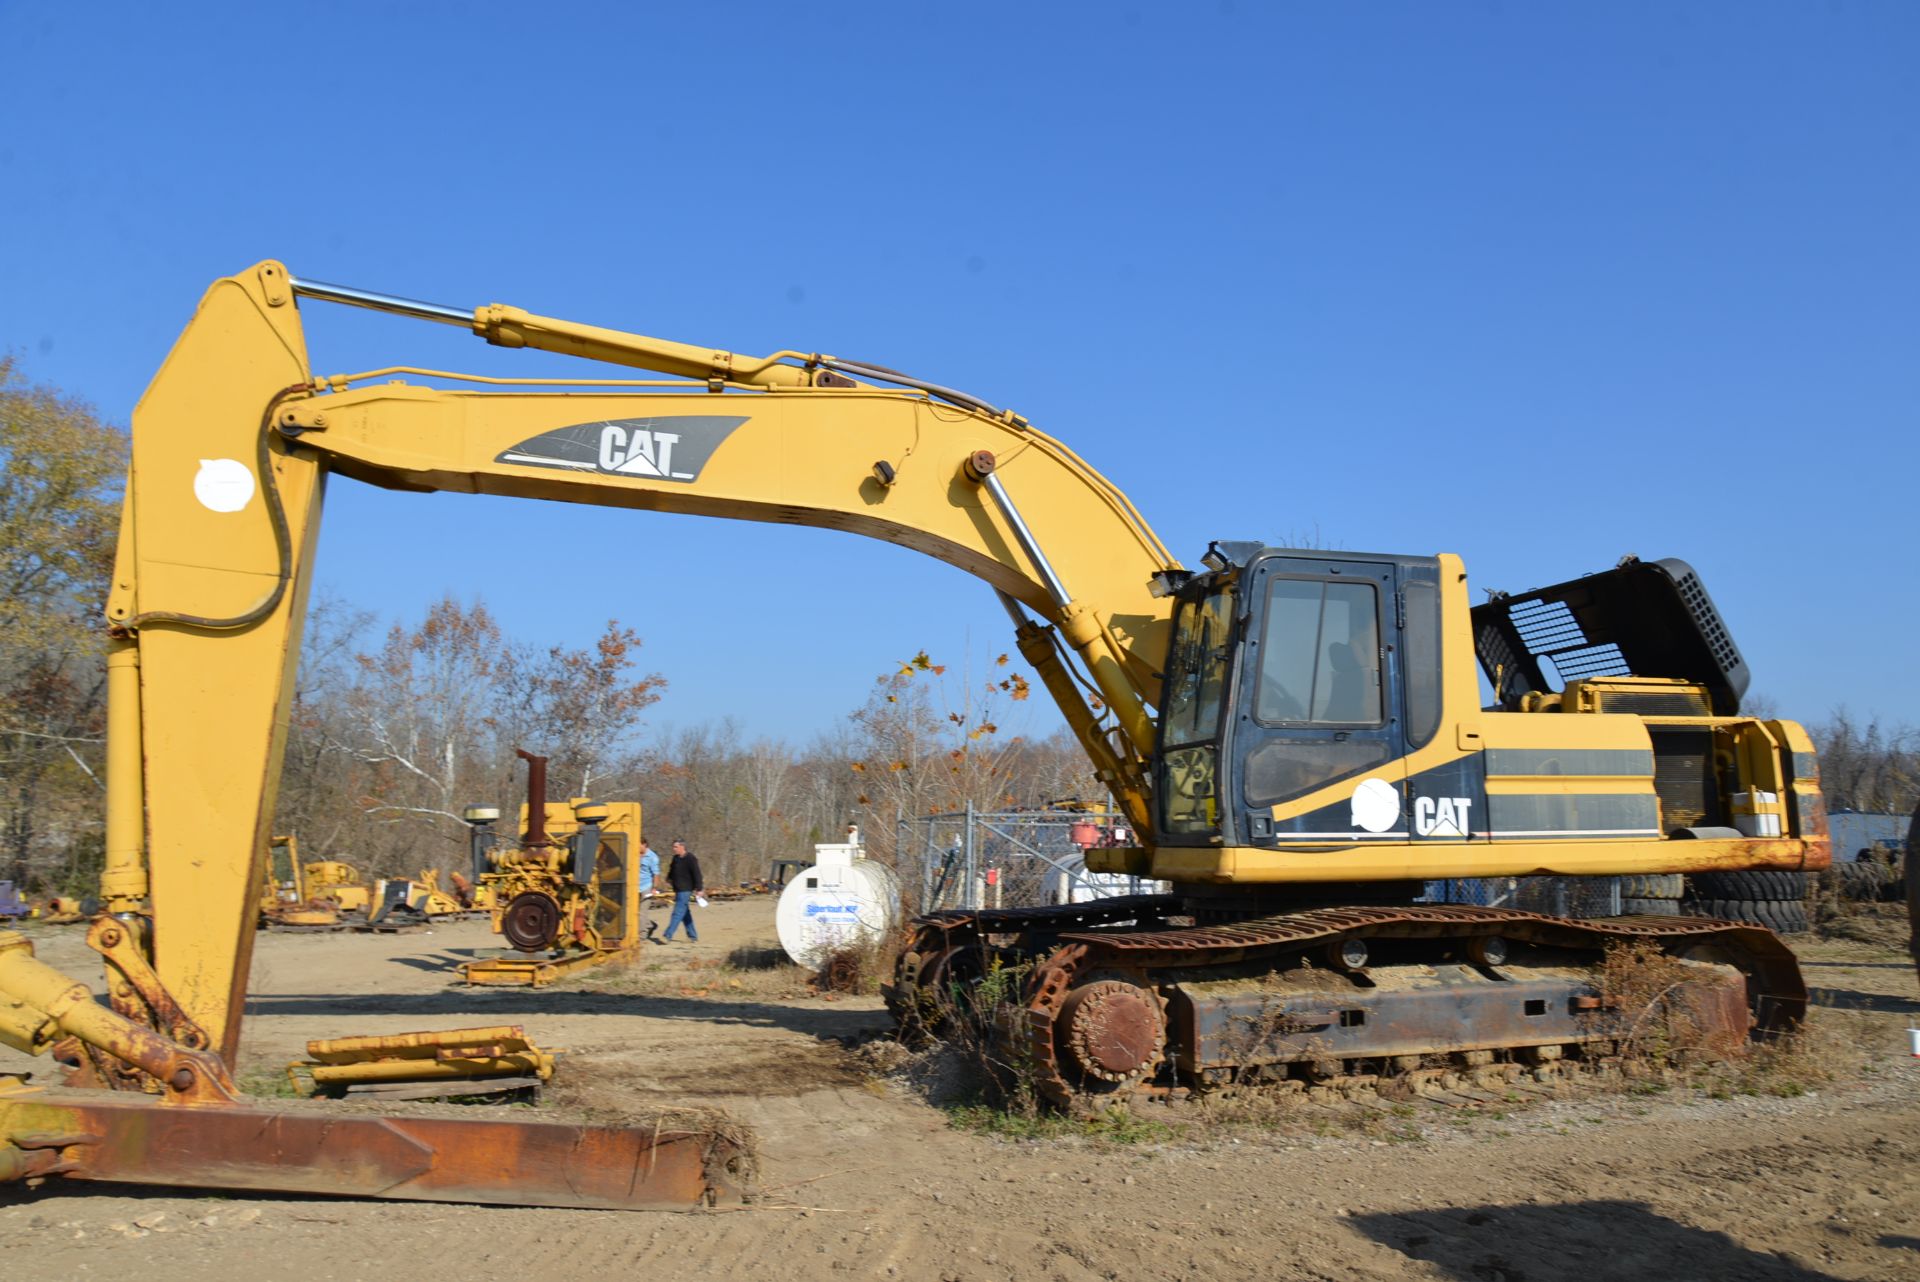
pixel 1540 285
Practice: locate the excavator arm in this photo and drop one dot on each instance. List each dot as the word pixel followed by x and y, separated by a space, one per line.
pixel 235 438
pixel 232 446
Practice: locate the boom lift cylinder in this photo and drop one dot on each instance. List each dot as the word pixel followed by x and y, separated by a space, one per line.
pixel 123 882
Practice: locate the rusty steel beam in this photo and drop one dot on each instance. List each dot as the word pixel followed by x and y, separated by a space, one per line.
pixel 129 1138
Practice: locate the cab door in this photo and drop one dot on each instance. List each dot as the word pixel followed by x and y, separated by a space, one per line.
pixel 1319 701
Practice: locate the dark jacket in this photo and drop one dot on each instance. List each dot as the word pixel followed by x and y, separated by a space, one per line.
pixel 683 874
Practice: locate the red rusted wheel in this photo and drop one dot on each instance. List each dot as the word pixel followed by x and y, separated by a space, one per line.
pixel 531 921
pixel 1110 1033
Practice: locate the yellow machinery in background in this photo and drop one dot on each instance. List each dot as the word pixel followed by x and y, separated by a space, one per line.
pixel 568 896
pixel 339 884
pixel 403 902
pixel 440 904
pixel 473 896
pixel 284 902
pixel 331 894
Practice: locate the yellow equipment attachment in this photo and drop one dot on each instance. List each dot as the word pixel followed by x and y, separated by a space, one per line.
pixel 435 902
pixel 461 1062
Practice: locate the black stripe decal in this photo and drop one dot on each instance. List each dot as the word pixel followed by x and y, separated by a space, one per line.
pixel 1570 761
pixel 1611 813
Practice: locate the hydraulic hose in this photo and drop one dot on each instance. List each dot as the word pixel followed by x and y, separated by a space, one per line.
pixel 282 538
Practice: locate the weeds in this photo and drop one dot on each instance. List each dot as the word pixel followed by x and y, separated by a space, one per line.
pixel 270 1083
pixel 1786 1067
pixel 1116 1124
pixel 1663 1006
pixel 981 1021
pixel 980 1069
pixel 1669 1041
pixel 859 965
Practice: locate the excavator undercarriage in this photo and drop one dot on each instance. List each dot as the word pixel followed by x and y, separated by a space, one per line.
pixel 1129 995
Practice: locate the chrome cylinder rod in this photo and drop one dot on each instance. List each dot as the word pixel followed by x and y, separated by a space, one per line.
pixel 383 302
pixel 1028 544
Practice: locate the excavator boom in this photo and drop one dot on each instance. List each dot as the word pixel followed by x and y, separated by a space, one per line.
pixel 236 436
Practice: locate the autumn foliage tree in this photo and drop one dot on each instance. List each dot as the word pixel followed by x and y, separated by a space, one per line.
pixel 584 705
pixel 61 469
pixel 421 719
pixel 928 745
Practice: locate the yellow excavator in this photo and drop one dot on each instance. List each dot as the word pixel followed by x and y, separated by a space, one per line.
pixel 1297 739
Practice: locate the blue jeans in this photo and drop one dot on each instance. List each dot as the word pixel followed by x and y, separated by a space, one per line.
pixel 682 913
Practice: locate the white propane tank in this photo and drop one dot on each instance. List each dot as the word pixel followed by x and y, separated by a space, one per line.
pixel 845 898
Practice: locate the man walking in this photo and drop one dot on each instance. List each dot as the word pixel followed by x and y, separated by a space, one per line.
pixel 649 882
pixel 683 875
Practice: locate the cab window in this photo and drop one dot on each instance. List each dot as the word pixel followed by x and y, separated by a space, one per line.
pixel 1320 654
pixel 1197 670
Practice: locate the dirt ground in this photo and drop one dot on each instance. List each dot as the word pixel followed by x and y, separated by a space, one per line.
pixel 863 1178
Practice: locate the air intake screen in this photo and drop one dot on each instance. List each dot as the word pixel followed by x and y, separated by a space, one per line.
pixel 1642 618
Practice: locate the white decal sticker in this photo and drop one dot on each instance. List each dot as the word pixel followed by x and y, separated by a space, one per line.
pixel 639 453
pixel 1376 805
pixel 223 484
pixel 1441 816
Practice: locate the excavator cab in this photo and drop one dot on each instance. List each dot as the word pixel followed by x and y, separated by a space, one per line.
pixel 1322 722
pixel 1290 671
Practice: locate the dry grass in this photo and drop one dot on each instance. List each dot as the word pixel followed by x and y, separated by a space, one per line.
pixel 1882 924
pixel 859 967
pixel 973 1069
pixel 1664 1043
pixel 698 977
pixel 598 1097
pixel 1656 1003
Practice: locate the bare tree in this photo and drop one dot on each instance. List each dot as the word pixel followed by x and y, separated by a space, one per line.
pixel 766 775
pixel 421 722
pixel 318 799
pixel 1867 767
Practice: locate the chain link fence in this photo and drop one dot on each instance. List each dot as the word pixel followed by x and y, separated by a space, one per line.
pixel 1013 858
pixel 1020 858
pixel 1556 896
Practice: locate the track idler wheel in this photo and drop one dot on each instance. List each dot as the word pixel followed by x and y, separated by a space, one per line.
pixel 1110 1034
pixel 531 921
pixel 903 997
